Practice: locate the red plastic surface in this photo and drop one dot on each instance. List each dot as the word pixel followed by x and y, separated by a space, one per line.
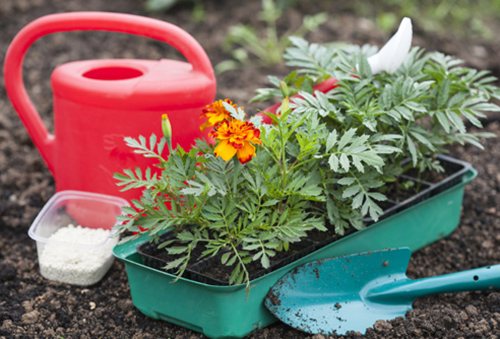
pixel 99 102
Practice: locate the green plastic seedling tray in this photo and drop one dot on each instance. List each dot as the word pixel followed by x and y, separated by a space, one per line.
pixel 225 312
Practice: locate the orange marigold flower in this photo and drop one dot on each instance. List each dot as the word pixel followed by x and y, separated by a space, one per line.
pixel 236 137
pixel 215 112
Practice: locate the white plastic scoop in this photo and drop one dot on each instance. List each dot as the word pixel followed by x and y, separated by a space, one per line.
pixel 393 53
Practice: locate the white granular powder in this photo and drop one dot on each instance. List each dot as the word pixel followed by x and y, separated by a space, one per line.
pixel 76 265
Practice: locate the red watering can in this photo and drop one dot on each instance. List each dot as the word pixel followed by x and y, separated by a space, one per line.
pixel 99 102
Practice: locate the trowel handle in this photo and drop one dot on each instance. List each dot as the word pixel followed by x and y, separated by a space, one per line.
pixel 485 278
pixel 86 21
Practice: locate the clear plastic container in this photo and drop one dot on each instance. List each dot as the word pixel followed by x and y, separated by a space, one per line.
pixel 73 234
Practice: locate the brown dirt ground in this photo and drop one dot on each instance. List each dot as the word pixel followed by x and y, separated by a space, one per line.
pixel 31 307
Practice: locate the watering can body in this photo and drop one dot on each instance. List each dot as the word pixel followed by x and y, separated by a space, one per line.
pixel 97 103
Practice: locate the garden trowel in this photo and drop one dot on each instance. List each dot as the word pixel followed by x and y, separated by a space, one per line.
pixel 350 293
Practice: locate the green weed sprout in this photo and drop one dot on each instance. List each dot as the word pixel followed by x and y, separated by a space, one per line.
pixel 256 49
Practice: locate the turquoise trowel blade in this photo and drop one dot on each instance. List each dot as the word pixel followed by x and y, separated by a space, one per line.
pixel 329 296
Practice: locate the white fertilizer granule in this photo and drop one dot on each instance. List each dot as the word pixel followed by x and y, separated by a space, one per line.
pixel 71 264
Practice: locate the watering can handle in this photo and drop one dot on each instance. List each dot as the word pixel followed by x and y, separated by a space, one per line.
pixel 85 21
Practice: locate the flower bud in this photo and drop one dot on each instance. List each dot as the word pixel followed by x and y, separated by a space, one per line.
pixel 166 127
pixel 284 89
pixel 285 105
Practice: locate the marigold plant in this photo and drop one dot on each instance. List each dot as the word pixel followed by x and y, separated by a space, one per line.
pixel 244 198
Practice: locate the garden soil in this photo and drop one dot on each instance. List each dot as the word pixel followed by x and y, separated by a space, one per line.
pixel 32 307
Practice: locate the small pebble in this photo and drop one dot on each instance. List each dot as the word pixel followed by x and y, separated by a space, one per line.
pixel 382 325
pixel 471 310
pixel 30 317
pixel 464 315
pixel 481 327
pixel 493 322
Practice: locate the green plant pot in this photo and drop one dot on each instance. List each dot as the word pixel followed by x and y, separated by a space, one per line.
pixel 226 312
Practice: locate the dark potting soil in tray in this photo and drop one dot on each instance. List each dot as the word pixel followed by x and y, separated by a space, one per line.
pixel 426 185
pixel 211 271
pixel 441 181
pixel 400 198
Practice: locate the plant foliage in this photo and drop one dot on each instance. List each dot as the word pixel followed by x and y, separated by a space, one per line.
pixel 320 164
pixel 419 110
